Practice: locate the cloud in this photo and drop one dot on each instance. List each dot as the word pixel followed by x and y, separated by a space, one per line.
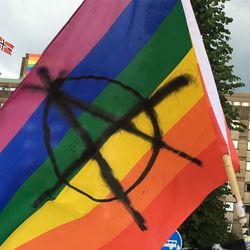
pixel 30 26
pixel 239 10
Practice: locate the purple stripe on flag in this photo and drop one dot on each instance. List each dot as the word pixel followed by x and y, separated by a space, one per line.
pixel 60 56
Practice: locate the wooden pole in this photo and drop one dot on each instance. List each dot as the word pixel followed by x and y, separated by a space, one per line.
pixel 240 208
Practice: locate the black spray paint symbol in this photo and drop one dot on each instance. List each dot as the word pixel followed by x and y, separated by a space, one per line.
pixel 64 102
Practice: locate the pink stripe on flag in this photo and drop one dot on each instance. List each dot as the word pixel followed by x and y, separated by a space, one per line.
pixel 81 36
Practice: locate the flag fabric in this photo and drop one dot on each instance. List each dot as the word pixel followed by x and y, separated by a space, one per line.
pixel 6 46
pixel 145 45
pixel 31 61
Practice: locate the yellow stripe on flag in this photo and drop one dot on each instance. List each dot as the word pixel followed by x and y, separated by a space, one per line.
pixel 70 205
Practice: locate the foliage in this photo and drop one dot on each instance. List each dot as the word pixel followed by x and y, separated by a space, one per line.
pixel 208 225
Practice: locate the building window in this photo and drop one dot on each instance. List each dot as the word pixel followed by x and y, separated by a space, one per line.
pixel 248 145
pixel 236 103
pixel 228 185
pixel 247 208
pixel 247 187
pixel 248 165
pixel 245 104
pixel 9 89
pixel 235 124
pixel 230 206
pixel 235 142
pixel 230 227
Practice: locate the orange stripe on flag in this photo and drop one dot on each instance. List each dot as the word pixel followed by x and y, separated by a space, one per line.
pixel 167 167
pixel 184 193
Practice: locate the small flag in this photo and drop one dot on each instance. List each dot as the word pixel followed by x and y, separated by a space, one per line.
pixel 31 61
pixel 6 46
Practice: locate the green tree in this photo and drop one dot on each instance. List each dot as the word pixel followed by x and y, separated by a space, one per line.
pixel 207 224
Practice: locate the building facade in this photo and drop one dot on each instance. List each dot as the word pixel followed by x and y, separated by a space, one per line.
pixel 7 87
pixel 241 140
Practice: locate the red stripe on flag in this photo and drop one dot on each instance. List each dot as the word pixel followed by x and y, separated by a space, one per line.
pixel 185 192
pixel 6 50
pixel 100 225
pixel 11 46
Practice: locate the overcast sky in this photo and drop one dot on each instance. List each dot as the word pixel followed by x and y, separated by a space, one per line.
pixel 31 24
pixel 239 10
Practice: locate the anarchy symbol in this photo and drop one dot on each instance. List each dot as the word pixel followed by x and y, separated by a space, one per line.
pixel 65 103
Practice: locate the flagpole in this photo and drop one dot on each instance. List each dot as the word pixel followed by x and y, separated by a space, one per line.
pixel 240 208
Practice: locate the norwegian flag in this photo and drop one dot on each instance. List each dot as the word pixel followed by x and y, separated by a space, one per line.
pixel 6 46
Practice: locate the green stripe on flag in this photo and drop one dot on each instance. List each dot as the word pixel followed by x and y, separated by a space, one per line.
pixel 158 57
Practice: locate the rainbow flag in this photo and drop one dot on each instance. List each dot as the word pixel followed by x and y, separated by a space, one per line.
pixel 151 136
pixel 31 61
